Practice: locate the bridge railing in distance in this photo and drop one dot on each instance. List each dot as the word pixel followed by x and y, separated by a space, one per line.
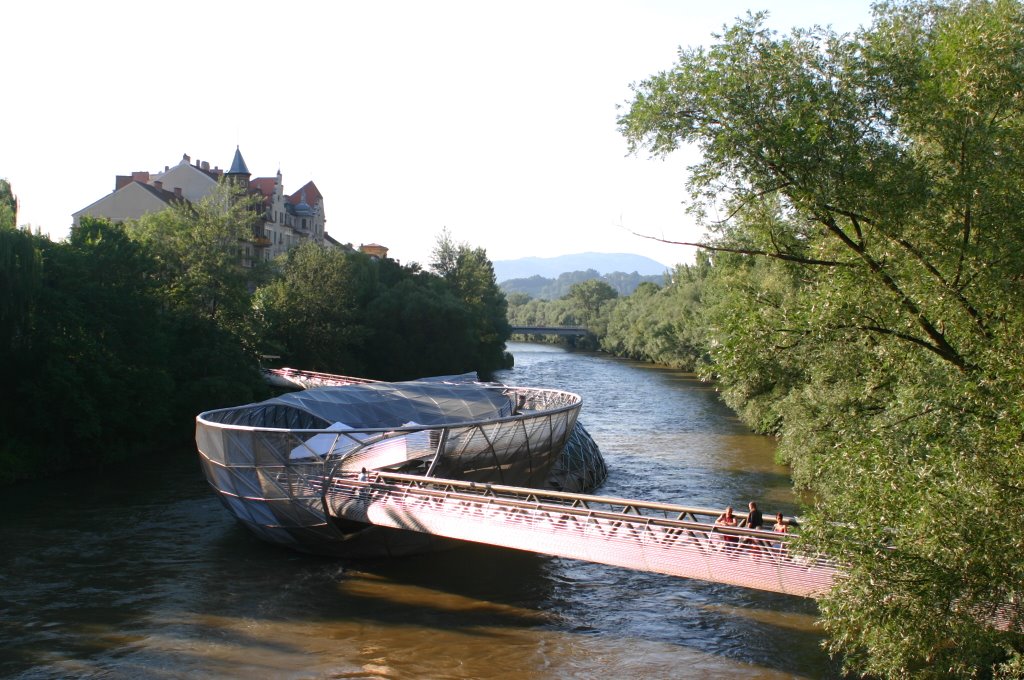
pixel 548 330
pixel 647 536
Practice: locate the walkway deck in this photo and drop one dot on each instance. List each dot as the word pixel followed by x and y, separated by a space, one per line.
pixel 655 537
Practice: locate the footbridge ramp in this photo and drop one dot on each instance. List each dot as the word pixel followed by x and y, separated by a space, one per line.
pixel 655 537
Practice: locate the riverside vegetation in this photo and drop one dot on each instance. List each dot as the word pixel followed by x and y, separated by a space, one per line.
pixel 113 340
pixel 860 297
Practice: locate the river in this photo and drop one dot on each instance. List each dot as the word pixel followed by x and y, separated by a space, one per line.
pixel 140 573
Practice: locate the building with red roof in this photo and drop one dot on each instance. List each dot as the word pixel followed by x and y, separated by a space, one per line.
pixel 289 219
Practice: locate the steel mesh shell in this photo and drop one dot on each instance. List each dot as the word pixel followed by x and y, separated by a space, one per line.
pixel 270 461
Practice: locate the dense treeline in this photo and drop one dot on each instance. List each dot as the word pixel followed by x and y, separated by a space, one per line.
pixel 661 324
pixel 865 304
pixel 113 340
pixel 543 288
pixel 862 300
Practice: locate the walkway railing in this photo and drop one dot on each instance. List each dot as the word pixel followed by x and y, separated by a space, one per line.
pixel 656 537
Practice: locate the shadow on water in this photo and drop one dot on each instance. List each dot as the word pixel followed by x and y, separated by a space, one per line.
pixel 139 571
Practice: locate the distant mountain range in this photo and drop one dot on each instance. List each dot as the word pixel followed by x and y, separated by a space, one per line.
pixel 552 267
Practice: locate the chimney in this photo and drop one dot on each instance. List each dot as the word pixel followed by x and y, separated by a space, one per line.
pixel 166 168
pixel 177 192
pixel 140 176
pixel 206 165
pixel 158 184
pixel 121 181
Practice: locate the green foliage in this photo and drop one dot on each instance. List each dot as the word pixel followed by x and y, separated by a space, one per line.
pixel 112 342
pixel 347 313
pixel 553 289
pixel 664 325
pixel 470 276
pixel 199 249
pixel 204 273
pixel 88 378
pixel 8 206
pixel 874 179
pixel 314 315
pixel 20 276
pixel 539 312
pixel 588 297
pixel 420 328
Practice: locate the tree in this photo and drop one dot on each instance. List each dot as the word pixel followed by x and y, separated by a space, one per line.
pixel 200 251
pixel 315 314
pixel 588 298
pixel 94 355
pixel 20 272
pixel 420 328
pixel 8 206
pixel 664 325
pixel 470 275
pixel 881 172
pixel 203 282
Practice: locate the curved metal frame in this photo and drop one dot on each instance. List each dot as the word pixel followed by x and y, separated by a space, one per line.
pixel 271 478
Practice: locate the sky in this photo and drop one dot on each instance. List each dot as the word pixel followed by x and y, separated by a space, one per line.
pixel 493 120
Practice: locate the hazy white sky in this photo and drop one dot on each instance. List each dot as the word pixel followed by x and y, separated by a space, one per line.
pixel 495 120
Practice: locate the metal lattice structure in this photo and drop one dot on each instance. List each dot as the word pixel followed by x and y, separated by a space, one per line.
pixel 267 460
pixel 581 466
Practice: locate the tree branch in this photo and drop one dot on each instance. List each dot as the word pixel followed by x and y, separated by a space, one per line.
pixel 788 257
pixel 938 343
pixel 748 199
pixel 953 289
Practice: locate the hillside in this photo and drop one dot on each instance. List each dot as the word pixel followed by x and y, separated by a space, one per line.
pixel 552 267
pixel 541 288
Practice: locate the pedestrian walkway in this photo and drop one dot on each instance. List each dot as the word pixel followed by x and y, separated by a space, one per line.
pixel 655 537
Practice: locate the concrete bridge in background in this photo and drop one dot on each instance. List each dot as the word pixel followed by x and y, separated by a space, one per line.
pixel 549 330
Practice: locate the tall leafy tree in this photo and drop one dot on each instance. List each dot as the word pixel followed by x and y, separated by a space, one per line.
pixel 314 314
pixel 588 297
pixel 881 172
pixel 20 273
pixel 200 250
pixel 662 324
pixel 89 381
pixel 204 277
pixel 8 206
pixel 470 275
pixel 420 328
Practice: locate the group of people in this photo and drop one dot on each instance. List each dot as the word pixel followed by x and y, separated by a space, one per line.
pixel 754 520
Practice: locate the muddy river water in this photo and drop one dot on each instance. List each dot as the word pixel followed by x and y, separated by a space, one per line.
pixel 140 573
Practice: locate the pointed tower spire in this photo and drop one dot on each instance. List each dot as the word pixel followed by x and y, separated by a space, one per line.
pixel 239 170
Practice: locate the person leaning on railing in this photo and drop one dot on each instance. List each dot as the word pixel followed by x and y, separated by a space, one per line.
pixel 727 519
pixel 781 527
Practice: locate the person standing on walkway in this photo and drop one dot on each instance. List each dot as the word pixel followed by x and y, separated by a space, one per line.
pixel 754 519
